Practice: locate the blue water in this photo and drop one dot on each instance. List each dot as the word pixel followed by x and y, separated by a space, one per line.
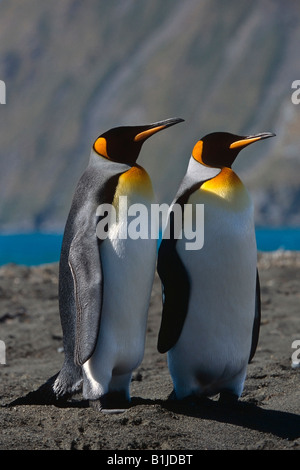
pixel 40 248
pixel 30 249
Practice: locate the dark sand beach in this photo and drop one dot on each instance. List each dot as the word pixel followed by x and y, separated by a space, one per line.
pixel 268 417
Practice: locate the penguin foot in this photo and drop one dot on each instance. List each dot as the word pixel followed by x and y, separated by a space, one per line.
pixel 172 396
pixel 228 398
pixel 111 403
pixel 190 401
pixel 196 401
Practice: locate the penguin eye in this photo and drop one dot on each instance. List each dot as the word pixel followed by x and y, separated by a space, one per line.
pixel 101 146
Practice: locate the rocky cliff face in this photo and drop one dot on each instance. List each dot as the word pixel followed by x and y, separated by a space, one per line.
pixel 73 69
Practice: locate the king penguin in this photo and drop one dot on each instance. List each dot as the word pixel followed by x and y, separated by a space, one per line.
pixel 211 296
pixel 105 284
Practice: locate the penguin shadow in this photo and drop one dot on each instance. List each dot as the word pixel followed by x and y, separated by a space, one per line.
pixel 36 398
pixel 244 414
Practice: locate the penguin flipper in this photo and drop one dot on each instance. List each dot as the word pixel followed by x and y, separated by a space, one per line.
pixel 176 289
pixel 85 265
pixel 171 270
pixel 257 320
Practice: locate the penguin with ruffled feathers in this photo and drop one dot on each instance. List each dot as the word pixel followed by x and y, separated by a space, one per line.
pixel 211 299
pixel 105 284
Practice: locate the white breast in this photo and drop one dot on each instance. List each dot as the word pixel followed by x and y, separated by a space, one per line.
pixel 128 267
pixel 216 337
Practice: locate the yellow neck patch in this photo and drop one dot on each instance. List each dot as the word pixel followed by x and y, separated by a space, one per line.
pixel 225 185
pixel 137 181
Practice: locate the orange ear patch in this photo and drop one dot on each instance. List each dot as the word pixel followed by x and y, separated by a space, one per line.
pixel 101 147
pixel 197 151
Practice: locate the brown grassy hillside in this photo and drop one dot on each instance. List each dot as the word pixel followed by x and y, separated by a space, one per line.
pixel 73 69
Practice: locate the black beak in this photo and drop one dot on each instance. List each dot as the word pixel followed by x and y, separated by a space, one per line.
pixel 243 141
pixel 156 127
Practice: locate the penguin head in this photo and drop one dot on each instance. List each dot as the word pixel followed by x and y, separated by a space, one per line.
pixel 123 144
pixel 220 149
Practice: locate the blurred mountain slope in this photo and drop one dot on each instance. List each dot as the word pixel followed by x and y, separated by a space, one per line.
pixel 74 69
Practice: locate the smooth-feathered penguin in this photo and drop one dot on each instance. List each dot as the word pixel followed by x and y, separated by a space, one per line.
pixel 211 299
pixel 105 284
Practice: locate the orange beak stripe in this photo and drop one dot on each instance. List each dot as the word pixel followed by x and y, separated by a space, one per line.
pixel 243 142
pixel 145 134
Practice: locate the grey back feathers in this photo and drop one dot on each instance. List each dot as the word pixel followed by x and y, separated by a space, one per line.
pixel 80 264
